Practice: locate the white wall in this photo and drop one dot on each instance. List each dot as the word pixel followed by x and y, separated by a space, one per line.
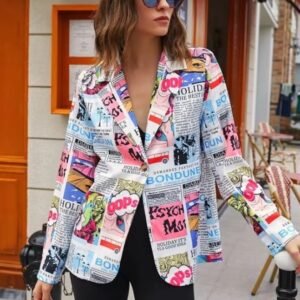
pixel 264 74
pixel 297 56
pixel 252 73
pixel 268 20
pixel 45 131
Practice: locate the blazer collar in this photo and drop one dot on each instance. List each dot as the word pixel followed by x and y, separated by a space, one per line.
pixel 117 88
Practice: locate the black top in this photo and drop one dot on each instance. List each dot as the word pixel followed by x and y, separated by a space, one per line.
pixel 142 133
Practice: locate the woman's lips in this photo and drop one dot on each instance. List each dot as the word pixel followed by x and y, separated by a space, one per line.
pixel 165 19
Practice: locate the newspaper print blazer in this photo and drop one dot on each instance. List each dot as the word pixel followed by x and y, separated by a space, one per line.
pixel 191 143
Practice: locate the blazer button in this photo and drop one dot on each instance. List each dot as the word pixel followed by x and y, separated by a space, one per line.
pixel 144 167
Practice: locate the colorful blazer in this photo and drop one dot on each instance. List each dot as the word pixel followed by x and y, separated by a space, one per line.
pixel 191 144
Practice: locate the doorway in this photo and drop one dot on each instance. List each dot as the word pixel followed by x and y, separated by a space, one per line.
pixel 13 142
pixel 227 37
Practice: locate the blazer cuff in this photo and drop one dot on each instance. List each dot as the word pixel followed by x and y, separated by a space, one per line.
pixel 48 278
pixel 281 231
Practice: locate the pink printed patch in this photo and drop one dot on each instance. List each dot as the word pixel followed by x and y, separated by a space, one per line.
pixel 179 276
pixel 232 140
pixel 155 119
pixel 131 155
pixel 171 83
pixel 52 216
pixel 83 163
pixel 167 221
pixel 113 107
pixel 216 82
pixel 63 166
pixel 122 204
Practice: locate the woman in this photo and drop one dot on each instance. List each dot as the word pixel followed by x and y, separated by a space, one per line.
pixel 150 131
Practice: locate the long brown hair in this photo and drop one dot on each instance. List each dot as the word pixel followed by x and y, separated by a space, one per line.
pixel 115 20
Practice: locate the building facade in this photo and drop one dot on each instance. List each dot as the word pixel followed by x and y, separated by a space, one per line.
pixel 284 66
pixel 239 32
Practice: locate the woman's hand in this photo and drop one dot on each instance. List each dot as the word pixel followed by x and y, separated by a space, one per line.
pixel 42 291
pixel 293 248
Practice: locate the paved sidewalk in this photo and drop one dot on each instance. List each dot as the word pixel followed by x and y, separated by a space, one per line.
pixel 244 256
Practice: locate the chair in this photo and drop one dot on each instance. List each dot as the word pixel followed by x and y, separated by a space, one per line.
pixel 280 186
pixel 280 155
pixel 295 180
pixel 259 161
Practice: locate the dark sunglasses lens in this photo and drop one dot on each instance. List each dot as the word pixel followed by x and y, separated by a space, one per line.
pixel 172 3
pixel 151 3
pixel 154 3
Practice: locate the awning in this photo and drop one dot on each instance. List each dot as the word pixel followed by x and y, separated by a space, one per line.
pixel 295 4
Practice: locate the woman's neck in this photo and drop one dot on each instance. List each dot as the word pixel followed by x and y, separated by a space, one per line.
pixel 141 51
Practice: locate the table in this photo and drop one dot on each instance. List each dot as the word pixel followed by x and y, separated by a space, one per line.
pixel 294 177
pixel 273 136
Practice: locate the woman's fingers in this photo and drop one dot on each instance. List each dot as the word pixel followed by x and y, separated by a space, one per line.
pixel 42 291
pixel 293 248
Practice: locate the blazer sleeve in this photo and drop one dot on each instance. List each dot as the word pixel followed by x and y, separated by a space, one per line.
pixel 221 147
pixel 74 178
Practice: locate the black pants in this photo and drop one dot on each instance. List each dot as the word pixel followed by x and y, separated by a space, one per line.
pixel 137 267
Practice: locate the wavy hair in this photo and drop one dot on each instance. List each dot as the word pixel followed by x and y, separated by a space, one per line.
pixel 114 22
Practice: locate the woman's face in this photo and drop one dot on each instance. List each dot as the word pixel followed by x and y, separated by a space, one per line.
pixel 153 21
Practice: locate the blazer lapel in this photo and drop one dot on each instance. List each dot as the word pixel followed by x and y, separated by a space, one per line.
pixel 116 99
pixel 169 83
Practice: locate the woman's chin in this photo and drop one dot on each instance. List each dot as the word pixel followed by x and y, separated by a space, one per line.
pixel 160 33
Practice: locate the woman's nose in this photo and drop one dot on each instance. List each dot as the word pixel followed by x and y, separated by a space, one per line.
pixel 163 4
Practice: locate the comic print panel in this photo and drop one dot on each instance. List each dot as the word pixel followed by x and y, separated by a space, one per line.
pixel 195 71
pixel 255 196
pixel 80 178
pixel 119 213
pixel 121 208
pixel 80 260
pixel 90 83
pixel 105 269
pixel 167 221
pixel 122 91
pixel 185 150
pixel 210 258
pixel 209 230
pixel 131 154
pixel 191 198
pixel 110 243
pixel 164 136
pixel 63 165
pixel 188 100
pixel 209 118
pixel 168 176
pixel 231 136
pixel 187 109
pixel 91 220
pixel 55 259
pixel 85 264
pixel 112 106
pixel 161 157
pixel 53 212
pixel 101 117
pixel 82 112
pixel 176 269
pixel 52 219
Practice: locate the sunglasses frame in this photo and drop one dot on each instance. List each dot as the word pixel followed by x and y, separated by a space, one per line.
pixel 179 2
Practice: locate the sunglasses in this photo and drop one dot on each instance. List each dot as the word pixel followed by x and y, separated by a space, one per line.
pixel 154 3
